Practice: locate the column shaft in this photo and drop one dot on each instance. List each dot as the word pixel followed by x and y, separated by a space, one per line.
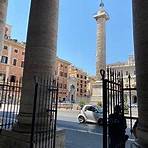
pixel 40 54
pixel 140 26
pixel 101 47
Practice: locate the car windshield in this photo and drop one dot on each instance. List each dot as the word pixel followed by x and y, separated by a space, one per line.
pixel 99 109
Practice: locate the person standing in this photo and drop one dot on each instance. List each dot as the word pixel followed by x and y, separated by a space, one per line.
pixel 117 126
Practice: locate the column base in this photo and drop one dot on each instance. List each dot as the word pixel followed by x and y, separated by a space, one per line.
pixel 97 96
pixel 12 139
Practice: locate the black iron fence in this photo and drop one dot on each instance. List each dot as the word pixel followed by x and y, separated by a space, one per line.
pixel 130 102
pixel 43 132
pixel 10 94
pixel 116 93
pixel 112 96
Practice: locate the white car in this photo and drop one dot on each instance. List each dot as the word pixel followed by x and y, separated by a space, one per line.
pixel 91 113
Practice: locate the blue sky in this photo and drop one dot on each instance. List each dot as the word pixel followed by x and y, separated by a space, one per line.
pixel 77 30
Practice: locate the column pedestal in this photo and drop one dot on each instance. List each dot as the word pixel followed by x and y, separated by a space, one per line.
pixel 96 93
pixel 12 139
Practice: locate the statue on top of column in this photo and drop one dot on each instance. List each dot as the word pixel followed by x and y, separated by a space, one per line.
pixel 102 4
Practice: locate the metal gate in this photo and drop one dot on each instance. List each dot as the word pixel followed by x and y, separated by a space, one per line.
pixel 10 94
pixel 114 94
pixel 43 131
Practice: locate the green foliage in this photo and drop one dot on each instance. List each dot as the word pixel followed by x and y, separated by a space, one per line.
pixel 99 104
pixel 82 103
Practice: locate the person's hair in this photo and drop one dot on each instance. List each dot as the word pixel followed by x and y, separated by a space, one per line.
pixel 117 109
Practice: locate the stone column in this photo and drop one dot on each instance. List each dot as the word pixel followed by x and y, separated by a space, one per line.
pixel 40 53
pixel 101 18
pixel 140 26
pixel 3 12
pixel 40 59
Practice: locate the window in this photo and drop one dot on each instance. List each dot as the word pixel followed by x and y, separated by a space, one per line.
pixel 81 91
pixel 65 67
pixel 12 78
pixel 61 73
pixel 77 76
pixel 126 73
pixel 91 108
pixel 6 47
pixel 23 53
pixel 134 72
pixel 85 77
pixel 61 65
pixel 65 86
pixel 65 74
pixel 77 89
pixel 2 77
pixel 60 85
pixel 15 50
pixel 14 62
pixel 81 76
pixel 22 64
pixel 4 59
pixel 81 85
pixel 81 81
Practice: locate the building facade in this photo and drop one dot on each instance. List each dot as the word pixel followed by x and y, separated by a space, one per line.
pixel 12 60
pixel 81 78
pixel 62 75
pixel 73 82
pixel 127 68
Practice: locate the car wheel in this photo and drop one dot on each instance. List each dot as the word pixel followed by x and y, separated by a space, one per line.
pixel 81 119
pixel 100 121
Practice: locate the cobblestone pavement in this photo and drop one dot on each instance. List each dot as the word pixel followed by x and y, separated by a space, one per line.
pixel 83 135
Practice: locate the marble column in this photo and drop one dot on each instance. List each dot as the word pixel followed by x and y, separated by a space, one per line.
pixel 101 18
pixel 140 30
pixel 3 13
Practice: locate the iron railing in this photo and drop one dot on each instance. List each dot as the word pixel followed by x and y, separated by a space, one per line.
pixel 43 132
pixel 130 93
pixel 114 94
pixel 10 94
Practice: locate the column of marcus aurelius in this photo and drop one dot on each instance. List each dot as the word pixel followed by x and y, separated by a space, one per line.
pixel 140 29
pixel 40 56
pixel 3 12
pixel 101 17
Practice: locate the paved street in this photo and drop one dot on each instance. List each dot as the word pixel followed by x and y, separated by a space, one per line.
pixel 78 135
pixel 81 135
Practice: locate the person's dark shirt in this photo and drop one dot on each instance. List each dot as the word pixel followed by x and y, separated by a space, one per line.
pixel 117 126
